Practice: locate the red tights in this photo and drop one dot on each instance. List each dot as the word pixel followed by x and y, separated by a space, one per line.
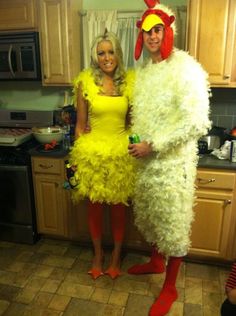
pixel 95 220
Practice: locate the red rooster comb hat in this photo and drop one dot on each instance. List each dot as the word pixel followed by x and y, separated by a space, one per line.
pixel 156 14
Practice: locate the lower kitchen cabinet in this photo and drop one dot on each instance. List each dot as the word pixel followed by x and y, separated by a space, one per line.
pixel 57 216
pixel 214 226
pixel 52 200
pixel 79 228
pixel 213 230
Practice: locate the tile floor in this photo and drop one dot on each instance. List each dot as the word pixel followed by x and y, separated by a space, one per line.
pixel 50 279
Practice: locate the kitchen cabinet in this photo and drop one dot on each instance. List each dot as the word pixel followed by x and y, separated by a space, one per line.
pixel 213 232
pixel 211 39
pixel 57 216
pixel 215 217
pixel 51 199
pixel 17 15
pixel 59 25
pixel 79 228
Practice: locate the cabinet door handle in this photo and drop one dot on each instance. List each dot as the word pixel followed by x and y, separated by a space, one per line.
pixel 205 181
pixel 227 202
pixel 45 166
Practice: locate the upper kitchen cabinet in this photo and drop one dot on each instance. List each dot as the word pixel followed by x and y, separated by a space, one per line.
pixel 59 22
pixel 17 15
pixel 211 39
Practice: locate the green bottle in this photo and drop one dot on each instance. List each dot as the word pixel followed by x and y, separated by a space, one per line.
pixel 134 139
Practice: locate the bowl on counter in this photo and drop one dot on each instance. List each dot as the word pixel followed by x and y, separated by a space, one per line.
pixel 45 135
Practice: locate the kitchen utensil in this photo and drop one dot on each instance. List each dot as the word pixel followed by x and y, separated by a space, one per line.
pixel 45 135
pixel 218 131
pixel 202 147
pixel 213 141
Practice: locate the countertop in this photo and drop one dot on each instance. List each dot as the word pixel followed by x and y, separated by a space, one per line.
pixel 205 161
pixel 210 161
pixel 58 152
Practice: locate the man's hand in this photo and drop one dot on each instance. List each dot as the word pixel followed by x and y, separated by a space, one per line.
pixel 140 150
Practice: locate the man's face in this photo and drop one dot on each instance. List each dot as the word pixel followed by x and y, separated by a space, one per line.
pixel 153 38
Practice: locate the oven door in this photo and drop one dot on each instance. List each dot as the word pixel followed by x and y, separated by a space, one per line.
pixel 17 211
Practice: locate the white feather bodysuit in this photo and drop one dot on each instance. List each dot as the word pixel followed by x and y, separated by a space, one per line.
pixel 171 109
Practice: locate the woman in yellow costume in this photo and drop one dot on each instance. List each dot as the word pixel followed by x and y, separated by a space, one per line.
pixel 104 169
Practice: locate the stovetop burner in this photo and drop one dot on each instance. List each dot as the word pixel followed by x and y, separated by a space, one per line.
pixel 17 155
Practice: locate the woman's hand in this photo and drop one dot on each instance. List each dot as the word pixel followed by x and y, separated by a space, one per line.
pixel 232 296
pixel 87 129
pixel 140 150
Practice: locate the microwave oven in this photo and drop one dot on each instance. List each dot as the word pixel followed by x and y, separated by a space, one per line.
pixel 20 56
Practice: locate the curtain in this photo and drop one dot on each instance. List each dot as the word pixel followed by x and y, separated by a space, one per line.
pixel 94 23
pixel 181 18
pixel 127 32
pixel 123 24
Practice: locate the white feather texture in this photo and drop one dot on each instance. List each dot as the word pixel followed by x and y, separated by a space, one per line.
pixel 171 109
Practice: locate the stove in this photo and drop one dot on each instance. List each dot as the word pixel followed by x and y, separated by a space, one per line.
pixel 17 155
pixel 18 215
pixel 15 125
pixel 14 136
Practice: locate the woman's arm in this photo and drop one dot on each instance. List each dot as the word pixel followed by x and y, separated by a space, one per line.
pixel 82 114
pixel 232 296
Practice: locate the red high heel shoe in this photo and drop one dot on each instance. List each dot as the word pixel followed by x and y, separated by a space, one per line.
pixel 96 272
pixel 113 272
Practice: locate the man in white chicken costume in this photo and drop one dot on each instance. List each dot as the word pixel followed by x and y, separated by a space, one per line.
pixel 170 113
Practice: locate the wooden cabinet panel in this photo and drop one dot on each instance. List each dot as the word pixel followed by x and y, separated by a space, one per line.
pixel 217 180
pixel 211 225
pixel 17 15
pixel 54 38
pixel 57 216
pixel 58 22
pixel 213 229
pixel 52 200
pixel 49 201
pixel 79 230
pixel 45 165
pixel 60 40
pixel 211 39
pixel 133 238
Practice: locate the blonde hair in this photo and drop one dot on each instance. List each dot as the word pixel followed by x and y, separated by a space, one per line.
pixel 119 71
